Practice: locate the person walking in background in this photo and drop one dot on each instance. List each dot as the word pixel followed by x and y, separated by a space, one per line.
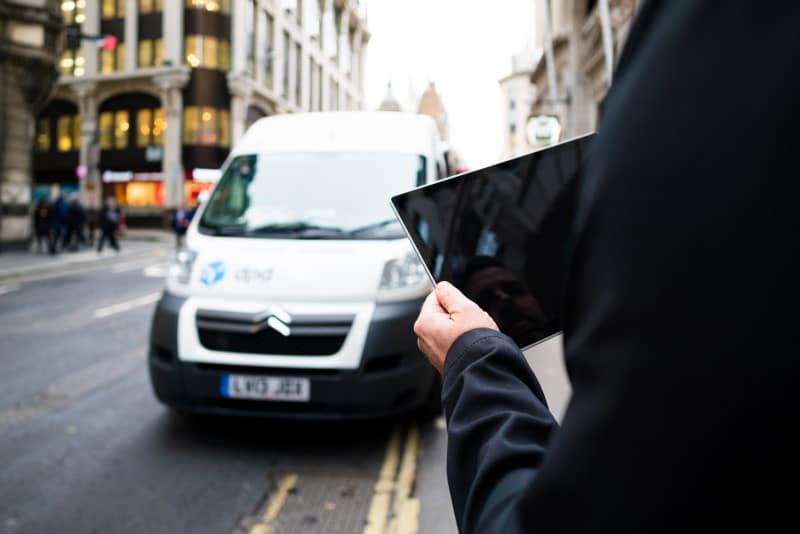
pixel 91 223
pixel 41 225
pixel 109 219
pixel 73 225
pixel 180 222
pixel 57 218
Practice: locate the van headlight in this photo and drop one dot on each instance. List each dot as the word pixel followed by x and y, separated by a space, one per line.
pixel 403 278
pixel 181 271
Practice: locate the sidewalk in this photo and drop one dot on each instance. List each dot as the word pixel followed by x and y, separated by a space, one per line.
pixel 14 265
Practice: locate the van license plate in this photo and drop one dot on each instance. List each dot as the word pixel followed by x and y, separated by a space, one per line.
pixel 267 388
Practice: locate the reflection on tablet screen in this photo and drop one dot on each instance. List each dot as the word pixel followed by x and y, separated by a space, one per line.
pixel 500 235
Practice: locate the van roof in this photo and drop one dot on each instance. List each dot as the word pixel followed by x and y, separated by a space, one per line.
pixel 375 131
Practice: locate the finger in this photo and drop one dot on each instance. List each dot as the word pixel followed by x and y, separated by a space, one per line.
pixel 426 313
pixel 431 305
pixel 450 298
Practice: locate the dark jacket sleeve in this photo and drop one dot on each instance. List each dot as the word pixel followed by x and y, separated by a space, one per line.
pixel 497 422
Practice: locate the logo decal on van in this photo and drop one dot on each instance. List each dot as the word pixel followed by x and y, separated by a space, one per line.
pixel 212 273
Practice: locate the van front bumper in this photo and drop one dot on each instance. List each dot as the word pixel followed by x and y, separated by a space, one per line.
pixel 393 376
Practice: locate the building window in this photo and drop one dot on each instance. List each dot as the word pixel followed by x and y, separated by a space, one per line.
pixel 334 95
pixel 207 52
pixel 73 11
pixel 286 51
pixel 122 128
pixel 224 128
pixel 43 134
pixel 72 62
pixel 112 60
pixel 144 127
pixel 68 133
pixel 224 55
pixel 320 85
pixel 145 53
pixel 222 6
pixel 206 126
pixel 113 9
pixel 210 52
pixel 149 127
pixel 298 74
pixel 151 6
pixel 251 38
pixel 158 52
pixel 76 132
pixel 312 84
pixel 268 57
pixel 151 52
pixel 159 125
pixel 106 121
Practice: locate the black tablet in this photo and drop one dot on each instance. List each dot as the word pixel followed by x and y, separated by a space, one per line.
pixel 500 234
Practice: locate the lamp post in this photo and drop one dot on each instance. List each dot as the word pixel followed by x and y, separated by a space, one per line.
pixel 31 40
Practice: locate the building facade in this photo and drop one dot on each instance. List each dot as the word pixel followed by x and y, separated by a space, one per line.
pixel 579 54
pixel 150 118
pixel 31 34
pixel 519 94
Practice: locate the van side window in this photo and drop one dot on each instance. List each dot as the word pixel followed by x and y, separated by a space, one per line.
pixel 440 170
pixel 422 171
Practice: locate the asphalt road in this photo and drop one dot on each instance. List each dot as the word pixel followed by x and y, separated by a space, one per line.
pixel 85 446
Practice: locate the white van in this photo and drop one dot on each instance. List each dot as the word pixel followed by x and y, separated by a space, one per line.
pixel 297 291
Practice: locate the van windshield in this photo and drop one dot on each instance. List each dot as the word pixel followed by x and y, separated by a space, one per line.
pixel 312 195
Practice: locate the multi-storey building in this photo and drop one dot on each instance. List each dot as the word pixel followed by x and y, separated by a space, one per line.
pixel 150 120
pixel 518 97
pixel 580 58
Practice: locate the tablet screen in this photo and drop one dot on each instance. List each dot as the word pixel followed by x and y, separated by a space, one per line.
pixel 500 235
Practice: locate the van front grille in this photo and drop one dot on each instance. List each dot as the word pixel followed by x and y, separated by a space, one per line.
pixel 304 335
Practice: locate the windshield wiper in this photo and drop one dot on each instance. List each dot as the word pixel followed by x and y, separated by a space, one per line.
pixel 225 230
pixel 297 229
pixel 372 226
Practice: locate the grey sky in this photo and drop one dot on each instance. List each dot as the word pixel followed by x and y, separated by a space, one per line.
pixel 464 46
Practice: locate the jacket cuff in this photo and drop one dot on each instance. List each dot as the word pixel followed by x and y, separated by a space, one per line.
pixel 463 352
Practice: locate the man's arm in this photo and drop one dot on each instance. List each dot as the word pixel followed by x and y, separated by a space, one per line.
pixel 497 417
pixel 498 428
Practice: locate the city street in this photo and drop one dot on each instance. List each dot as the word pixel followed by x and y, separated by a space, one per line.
pixel 87 448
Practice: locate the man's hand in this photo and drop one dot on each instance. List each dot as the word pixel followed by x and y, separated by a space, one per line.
pixel 445 315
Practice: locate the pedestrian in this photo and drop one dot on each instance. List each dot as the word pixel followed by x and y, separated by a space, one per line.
pixel 678 336
pixel 180 223
pixel 109 219
pixel 41 225
pixel 91 224
pixel 73 225
pixel 57 220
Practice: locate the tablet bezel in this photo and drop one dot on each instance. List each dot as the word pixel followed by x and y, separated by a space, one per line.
pixel 393 203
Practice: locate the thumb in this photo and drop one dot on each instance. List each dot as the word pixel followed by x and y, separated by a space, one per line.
pixel 450 297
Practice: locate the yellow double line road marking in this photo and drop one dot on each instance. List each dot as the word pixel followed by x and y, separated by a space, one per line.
pixel 264 526
pixel 392 510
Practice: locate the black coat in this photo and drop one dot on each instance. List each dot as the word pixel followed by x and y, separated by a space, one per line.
pixel 76 216
pixel 109 219
pixel 680 315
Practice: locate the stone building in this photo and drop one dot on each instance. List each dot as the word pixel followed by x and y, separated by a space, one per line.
pixel 31 34
pixel 519 93
pixel 151 120
pixel 430 103
pixel 579 59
